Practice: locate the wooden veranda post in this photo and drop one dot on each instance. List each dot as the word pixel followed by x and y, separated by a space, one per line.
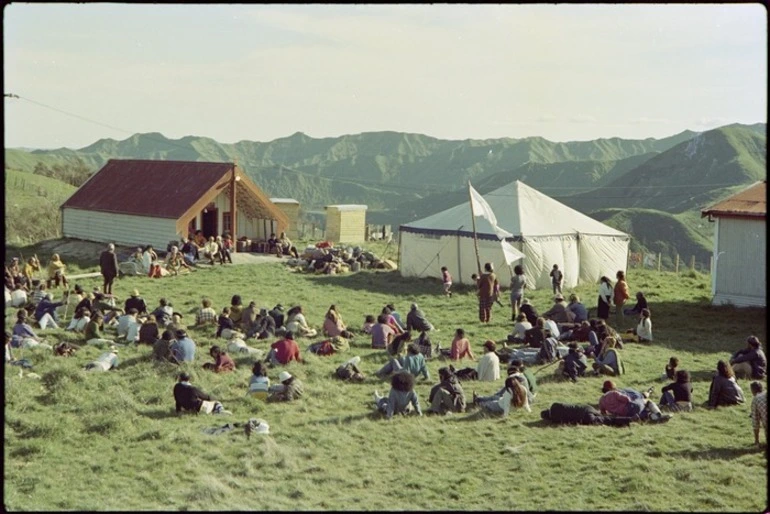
pixel 233 213
pixel 475 240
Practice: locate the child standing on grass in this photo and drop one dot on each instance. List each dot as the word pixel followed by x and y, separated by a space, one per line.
pixel 447 278
pixel 557 277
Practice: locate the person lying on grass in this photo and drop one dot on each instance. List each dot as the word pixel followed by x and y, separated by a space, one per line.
pixel 349 370
pixel 724 390
pixel 288 390
pixel 515 395
pixel 222 362
pixel 401 400
pixel 629 402
pixel 105 362
pixel 447 395
pixel 572 414
pixel 238 345
pixel 189 398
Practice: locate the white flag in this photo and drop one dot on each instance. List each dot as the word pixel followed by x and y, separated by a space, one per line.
pixel 511 254
pixel 482 208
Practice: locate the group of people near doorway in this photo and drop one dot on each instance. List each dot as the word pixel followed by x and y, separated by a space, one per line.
pixel 406 341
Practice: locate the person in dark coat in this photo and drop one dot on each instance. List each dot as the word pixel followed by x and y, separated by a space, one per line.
pixel 108 265
pixel 137 302
pixel 529 311
pixel 190 398
pixel 572 414
pixel 447 395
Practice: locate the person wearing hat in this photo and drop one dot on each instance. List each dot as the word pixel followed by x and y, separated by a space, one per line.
pixel 288 390
pixel 488 368
pixel 284 351
pixel 415 320
pixel 105 362
pixel 191 399
pixel 448 394
pixel 92 333
pixel 222 362
pixel 108 266
pixel 278 316
pixel 136 302
pixel 45 312
pixel 183 349
pixel 559 312
pixel 529 311
pixel 751 361
pixel 349 370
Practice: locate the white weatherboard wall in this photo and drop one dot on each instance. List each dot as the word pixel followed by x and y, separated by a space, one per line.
pixel 741 265
pixel 121 229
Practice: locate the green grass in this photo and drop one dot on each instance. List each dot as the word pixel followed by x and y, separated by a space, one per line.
pixel 77 441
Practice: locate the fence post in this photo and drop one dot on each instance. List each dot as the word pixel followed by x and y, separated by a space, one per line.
pixel 676 266
pixel 692 263
pixel 658 262
pixel 711 264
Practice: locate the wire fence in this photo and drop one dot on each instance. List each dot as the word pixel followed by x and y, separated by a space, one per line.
pixel 662 262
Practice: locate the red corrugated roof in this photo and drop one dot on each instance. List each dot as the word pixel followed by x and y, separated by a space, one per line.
pixel 749 203
pixel 160 189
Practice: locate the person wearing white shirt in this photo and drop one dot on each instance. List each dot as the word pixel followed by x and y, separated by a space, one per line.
pixel 105 362
pixel 605 298
pixel 644 329
pixel 551 325
pixel 488 368
pixel 515 395
pixel 18 297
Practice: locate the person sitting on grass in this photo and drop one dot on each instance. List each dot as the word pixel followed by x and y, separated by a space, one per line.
pixel 236 309
pixel 670 370
pixel 205 315
pixel 401 399
pixel 149 331
pixel 284 351
pixel 264 326
pixel 129 325
pixel 161 350
pixel 222 362
pixel 56 272
pixel 183 348
pixel 529 311
pixel 415 320
pixel 259 383
pixel 369 322
pixel 515 370
pixel 297 324
pixel 519 334
pixel 677 396
pixel 447 395
pixel 578 310
pixel 382 333
pixel 559 312
pixel 535 336
pixel 334 326
pixel 724 390
pixel 349 370
pixel 461 347
pixel 23 336
pixel 488 368
pixel 189 398
pixel 225 324
pixel 288 390
pixel 175 262
pixel 137 302
pixel 643 330
pixel 392 320
pixel 751 361
pixel 163 312
pixel 641 303
pixel 574 364
pixel 211 250
pixel 19 295
pixel 92 333
pixel 105 362
pixel 758 410
pixel 249 317
pixel 79 321
pixel 45 312
pixel 608 361
pixel 515 395
pixel 572 414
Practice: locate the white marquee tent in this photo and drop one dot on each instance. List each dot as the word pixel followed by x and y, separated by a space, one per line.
pixel 546 231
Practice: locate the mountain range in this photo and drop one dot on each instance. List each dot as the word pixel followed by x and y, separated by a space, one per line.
pixel 402 176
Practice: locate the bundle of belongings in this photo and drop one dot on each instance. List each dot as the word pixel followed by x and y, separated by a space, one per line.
pixel 324 258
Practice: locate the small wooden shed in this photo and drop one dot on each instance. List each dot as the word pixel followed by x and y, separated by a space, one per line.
pixel 740 248
pixel 346 223
pixel 290 207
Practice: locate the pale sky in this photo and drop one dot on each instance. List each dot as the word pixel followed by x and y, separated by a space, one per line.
pixel 261 72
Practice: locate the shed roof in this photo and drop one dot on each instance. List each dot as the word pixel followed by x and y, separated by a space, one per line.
pixel 749 203
pixel 284 200
pixel 347 207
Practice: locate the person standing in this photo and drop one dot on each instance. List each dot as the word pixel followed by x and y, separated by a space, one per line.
pixel 487 285
pixel 758 410
pixel 557 278
pixel 621 295
pixel 447 279
pixel 605 298
pixel 108 264
pixel 517 290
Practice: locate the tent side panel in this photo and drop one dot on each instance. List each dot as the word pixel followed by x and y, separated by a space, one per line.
pixel 542 253
pixel 602 256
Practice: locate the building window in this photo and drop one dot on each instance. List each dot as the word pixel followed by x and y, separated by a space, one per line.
pixel 227 223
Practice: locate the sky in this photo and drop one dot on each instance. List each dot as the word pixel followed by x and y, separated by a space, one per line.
pixel 564 72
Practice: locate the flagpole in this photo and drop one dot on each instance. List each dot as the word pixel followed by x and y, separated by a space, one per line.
pixel 475 240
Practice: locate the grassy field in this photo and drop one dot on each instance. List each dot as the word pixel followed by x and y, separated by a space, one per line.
pixel 111 441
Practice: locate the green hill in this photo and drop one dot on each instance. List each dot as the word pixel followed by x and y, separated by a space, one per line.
pixel 32 206
pixel 691 175
pixel 659 232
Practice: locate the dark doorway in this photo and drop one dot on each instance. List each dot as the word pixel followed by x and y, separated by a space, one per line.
pixel 209 223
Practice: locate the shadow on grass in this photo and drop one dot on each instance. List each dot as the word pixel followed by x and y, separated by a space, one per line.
pixel 164 413
pixel 384 282
pixel 716 453
pixel 346 420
